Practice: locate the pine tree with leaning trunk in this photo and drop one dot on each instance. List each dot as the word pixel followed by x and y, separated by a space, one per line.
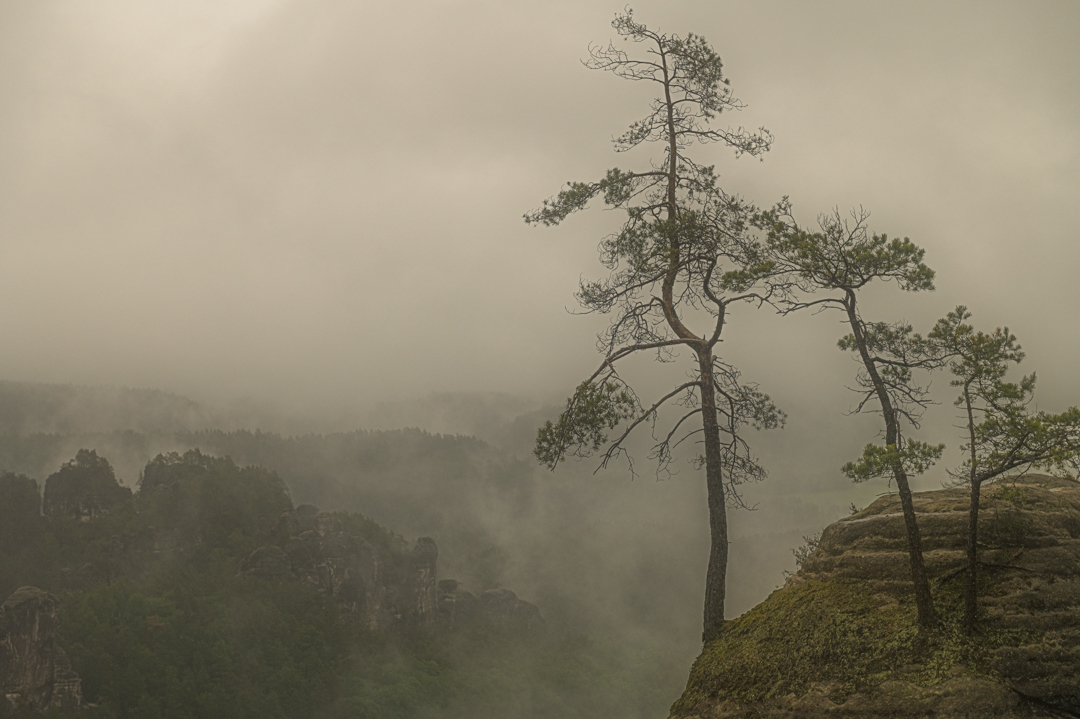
pixel 686 254
pixel 842 257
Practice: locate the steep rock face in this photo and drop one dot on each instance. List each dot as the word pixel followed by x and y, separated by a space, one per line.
pixel 502 606
pixel 839 639
pixel 83 488
pixel 378 589
pixel 498 607
pixel 411 586
pixel 34 670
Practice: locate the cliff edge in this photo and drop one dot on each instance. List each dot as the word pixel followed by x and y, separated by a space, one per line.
pixel 840 638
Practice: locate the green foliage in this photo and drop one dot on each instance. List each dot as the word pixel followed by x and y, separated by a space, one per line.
pixel 159 623
pixel 890 353
pixel 481 672
pixel 842 254
pixel 677 219
pixel 1003 434
pixel 87 476
pixel 174 632
pixel 20 509
pixel 696 79
pixel 210 500
pixel 692 73
pixel 575 197
pixel 1011 493
pixel 416 481
pixel 897 341
pixel 681 230
pixel 582 428
pixel 198 641
pixel 804 550
pixel 686 250
pixel 22 532
pixel 879 462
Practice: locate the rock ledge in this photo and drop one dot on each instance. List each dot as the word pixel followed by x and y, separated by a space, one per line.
pixel 840 639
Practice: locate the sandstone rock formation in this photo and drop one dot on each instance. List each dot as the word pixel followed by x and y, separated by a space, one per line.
pixel 378 589
pixel 34 670
pixel 83 488
pixel 501 606
pixel 498 607
pixel 381 587
pixel 840 640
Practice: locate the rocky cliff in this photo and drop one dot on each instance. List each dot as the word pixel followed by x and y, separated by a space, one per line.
pixel 497 607
pixel 840 639
pixel 380 586
pixel 34 670
pixel 161 582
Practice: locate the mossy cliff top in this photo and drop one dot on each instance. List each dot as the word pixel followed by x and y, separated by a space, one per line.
pixel 840 638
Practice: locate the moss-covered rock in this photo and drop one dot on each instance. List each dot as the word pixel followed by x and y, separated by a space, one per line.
pixel 840 638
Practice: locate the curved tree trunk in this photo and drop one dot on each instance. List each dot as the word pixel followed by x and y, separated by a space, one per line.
pixel 924 601
pixel 716 575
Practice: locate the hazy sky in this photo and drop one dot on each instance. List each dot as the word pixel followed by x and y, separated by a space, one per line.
pixel 319 203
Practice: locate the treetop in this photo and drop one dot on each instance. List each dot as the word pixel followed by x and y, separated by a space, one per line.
pixel 843 254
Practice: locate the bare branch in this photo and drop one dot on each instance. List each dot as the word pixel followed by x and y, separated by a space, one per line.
pixel 647 414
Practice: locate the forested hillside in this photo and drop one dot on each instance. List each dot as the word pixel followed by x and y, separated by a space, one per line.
pixel 30 407
pixel 165 610
pixel 421 483
pixel 606 559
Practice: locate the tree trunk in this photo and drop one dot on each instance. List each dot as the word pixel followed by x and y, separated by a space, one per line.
pixel 924 601
pixel 970 580
pixel 716 577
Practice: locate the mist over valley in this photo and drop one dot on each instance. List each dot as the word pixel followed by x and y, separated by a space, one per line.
pixel 323 384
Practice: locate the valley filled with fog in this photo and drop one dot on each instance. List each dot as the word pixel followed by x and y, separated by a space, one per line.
pixel 291 234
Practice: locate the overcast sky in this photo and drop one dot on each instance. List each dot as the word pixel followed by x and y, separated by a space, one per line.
pixel 318 202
